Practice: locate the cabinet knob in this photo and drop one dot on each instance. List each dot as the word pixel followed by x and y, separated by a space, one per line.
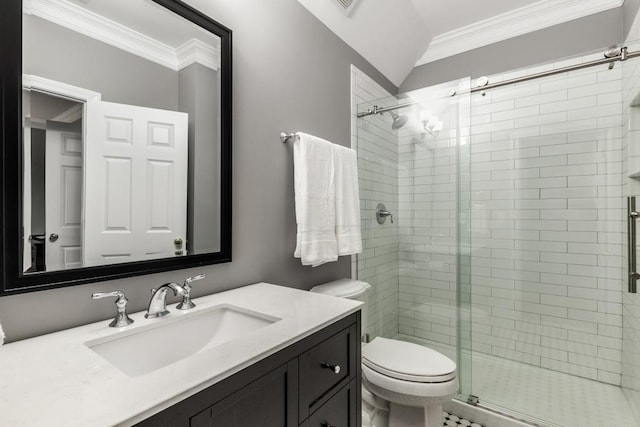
pixel 334 368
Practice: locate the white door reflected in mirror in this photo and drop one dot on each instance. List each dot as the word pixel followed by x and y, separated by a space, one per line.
pixel 63 200
pixel 118 194
pixel 136 183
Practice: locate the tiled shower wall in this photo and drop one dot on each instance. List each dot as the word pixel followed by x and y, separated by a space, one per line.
pixel 376 144
pixel 547 226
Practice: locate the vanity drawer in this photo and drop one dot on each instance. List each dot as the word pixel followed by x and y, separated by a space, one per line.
pixel 327 365
pixel 336 411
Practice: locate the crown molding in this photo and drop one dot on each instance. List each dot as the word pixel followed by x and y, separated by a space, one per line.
pixel 197 51
pixel 536 16
pixel 54 87
pixel 98 27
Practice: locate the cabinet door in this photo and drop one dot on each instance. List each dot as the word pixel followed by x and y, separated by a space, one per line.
pixel 329 364
pixel 261 403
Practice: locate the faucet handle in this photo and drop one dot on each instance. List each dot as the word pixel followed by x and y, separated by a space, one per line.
pixel 186 303
pixel 189 280
pixel 122 319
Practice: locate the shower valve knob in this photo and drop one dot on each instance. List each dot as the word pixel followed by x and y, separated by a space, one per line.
pixel 382 213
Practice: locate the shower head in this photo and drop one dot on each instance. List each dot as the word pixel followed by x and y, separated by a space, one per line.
pixel 398 121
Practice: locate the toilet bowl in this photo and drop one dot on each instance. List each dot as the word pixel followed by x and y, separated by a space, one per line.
pixel 404 384
pixel 413 378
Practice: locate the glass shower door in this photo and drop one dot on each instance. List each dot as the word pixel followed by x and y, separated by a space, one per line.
pixel 413 156
pixel 547 231
pixel 434 235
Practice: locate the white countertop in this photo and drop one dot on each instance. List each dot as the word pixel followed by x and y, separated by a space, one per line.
pixel 56 380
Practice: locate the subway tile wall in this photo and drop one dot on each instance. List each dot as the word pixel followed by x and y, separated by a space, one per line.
pixel 377 150
pixel 547 227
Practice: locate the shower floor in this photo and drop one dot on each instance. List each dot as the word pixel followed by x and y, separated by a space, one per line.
pixel 542 396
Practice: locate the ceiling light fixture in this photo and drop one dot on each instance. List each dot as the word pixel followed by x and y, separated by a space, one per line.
pixel 430 123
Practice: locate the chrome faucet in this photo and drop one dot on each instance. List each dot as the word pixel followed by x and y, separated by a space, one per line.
pixel 158 302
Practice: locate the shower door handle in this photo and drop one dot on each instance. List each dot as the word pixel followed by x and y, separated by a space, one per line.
pixel 632 215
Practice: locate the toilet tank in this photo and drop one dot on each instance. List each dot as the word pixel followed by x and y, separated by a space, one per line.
pixel 350 289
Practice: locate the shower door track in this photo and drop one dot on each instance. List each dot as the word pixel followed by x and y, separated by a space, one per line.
pixel 623 56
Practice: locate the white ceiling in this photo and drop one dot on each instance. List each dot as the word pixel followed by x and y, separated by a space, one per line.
pixel 446 15
pixel 383 31
pixel 395 36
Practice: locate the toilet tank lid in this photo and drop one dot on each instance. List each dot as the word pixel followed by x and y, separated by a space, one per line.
pixel 345 288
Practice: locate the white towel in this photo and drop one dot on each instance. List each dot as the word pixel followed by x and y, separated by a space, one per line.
pixel 315 200
pixel 1 335
pixel 348 233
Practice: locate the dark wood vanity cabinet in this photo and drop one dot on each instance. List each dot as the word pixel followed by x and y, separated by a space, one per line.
pixel 314 382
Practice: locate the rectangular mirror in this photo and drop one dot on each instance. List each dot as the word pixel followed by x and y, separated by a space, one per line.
pixel 117 160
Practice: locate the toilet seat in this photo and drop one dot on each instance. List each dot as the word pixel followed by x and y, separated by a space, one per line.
pixel 406 392
pixel 407 361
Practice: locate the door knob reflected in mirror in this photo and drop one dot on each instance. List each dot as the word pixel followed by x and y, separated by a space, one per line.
pixel 178 244
pixel 53 237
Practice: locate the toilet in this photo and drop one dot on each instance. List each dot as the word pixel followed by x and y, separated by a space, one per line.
pixel 403 384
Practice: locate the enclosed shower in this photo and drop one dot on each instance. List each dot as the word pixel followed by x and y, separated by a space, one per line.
pixel 509 248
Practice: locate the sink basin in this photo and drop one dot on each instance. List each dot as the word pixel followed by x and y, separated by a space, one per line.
pixel 167 340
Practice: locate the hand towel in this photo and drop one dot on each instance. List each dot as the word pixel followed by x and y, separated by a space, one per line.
pixel 348 235
pixel 315 200
pixel 1 335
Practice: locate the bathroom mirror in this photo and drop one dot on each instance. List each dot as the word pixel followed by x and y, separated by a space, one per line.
pixel 116 140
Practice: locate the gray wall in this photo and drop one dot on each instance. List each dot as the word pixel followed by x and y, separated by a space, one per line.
pixel 60 54
pixel 565 40
pixel 630 10
pixel 290 73
pixel 199 89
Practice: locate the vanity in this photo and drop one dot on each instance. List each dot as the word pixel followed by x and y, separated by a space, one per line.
pixel 292 359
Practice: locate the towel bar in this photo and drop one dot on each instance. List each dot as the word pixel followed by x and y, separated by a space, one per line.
pixel 286 137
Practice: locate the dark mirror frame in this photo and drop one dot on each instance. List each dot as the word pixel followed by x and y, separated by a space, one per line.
pixel 12 280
